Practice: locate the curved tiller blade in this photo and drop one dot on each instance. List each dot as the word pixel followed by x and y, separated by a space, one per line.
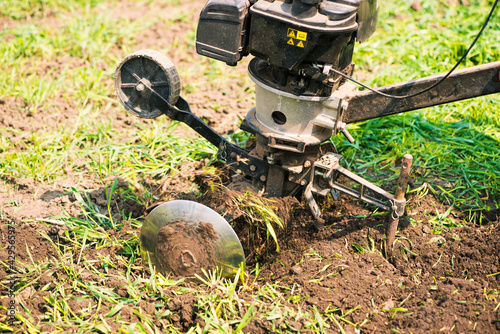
pixel 182 237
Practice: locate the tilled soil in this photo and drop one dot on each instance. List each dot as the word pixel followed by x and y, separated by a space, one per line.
pixel 429 281
pixel 443 282
pixel 445 286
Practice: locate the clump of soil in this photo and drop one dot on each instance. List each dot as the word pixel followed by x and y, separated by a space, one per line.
pixel 184 310
pixel 247 213
pixel 184 248
pixel 32 241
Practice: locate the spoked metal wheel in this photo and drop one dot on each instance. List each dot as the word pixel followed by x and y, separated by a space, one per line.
pixel 144 80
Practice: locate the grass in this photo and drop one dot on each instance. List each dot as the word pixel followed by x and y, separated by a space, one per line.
pixel 455 146
pixel 58 59
pixel 221 307
pixel 262 214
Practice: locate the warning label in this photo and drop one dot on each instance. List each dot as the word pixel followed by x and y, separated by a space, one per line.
pixel 301 35
pixel 296 37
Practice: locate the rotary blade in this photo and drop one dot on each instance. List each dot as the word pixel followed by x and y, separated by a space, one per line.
pixel 182 237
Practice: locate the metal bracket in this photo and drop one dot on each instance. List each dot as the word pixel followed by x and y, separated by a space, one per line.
pixel 286 143
pixel 233 155
pixel 323 180
pixel 397 208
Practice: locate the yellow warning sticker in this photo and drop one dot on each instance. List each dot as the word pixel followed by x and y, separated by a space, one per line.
pixel 296 37
pixel 301 35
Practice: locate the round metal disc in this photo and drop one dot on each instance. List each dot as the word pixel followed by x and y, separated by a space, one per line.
pixel 183 237
pixel 145 78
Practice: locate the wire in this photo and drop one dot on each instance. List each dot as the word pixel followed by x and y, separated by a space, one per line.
pixel 437 83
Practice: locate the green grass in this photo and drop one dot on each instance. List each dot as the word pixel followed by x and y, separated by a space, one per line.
pixel 455 146
pixel 63 53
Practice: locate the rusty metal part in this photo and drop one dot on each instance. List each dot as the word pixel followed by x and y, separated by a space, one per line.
pixel 275 181
pixel 404 175
pixel 460 85
pixel 399 202
pixel 323 180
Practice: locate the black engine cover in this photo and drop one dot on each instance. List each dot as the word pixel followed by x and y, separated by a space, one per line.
pixel 285 33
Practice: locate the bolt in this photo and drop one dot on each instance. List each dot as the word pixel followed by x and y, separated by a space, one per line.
pixel 291 178
pixel 140 87
pixel 307 164
pixel 253 168
pixel 233 155
pixel 303 182
pixel 263 178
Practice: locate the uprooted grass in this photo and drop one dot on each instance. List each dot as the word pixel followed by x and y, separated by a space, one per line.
pixel 262 214
pixel 262 220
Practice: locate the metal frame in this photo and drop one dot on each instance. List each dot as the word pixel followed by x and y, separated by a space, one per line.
pixel 460 85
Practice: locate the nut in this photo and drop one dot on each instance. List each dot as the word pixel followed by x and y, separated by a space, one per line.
pixel 253 168
pixel 263 178
pixel 140 87
pixel 307 164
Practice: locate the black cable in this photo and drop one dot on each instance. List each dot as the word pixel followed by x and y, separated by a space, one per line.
pixel 437 83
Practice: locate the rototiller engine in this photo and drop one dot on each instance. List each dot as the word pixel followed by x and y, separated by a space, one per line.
pixel 302 58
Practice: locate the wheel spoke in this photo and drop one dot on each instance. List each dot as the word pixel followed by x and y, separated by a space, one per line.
pixel 132 73
pixel 153 73
pixel 149 107
pixel 143 67
pixel 161 97
pixel 133 98
pixel 128 85
pixel 160 84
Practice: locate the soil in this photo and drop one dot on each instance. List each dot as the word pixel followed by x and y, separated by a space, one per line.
pixel 448 285
pixel 442 288
pixel 184 249
pixel 431 280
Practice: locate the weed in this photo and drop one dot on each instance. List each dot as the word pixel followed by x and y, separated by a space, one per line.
pixel 262 214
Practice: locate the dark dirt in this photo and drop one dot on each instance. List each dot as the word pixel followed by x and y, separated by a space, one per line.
pixel 341 262
pixel 449 285
pixel 29 200
pixel 184 249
